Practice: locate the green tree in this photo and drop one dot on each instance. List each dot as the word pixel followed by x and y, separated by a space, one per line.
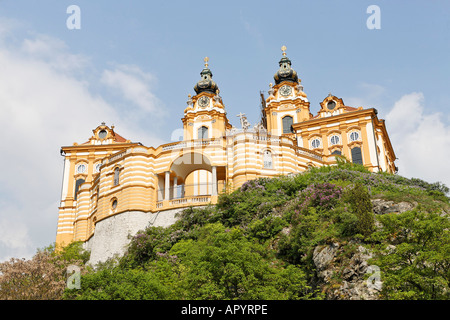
pixel 120 284
pixel 358 199
pixel 224 264
pixel 416 263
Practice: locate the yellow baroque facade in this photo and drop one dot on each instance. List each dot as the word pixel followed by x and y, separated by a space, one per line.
pixel 109 175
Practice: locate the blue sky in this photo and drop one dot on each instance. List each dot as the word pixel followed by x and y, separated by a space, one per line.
pixel 133 63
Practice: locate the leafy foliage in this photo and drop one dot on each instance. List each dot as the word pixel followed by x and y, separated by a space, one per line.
pixel 41 278
pixel 416 259
pixel 258 243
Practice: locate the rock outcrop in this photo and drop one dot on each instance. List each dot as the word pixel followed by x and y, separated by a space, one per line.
pixel 381 206
pixel 343 270
pixel 345 273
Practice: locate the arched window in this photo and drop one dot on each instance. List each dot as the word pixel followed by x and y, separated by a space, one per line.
pixel 287 124
pixel 337 152
pixel 315 143
pixel 357 155
pixel 203 132
pixel 267 158
pixel 78 183
pixel 116 176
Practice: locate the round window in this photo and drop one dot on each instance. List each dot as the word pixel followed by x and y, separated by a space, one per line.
pixel 81 168
pixel 354 136
pixel 102 134
pixel 114 204
pixel 331 105
pixel 334 140
pixel 315 143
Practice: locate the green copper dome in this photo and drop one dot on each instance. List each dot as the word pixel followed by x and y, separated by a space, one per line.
pixel 206 84
pixel 285 73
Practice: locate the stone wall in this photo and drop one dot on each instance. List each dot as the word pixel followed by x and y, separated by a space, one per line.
pixel 112 235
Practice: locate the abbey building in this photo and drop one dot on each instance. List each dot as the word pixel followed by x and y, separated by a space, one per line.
pixel 109 178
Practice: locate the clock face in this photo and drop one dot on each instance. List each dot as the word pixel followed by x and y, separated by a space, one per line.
pixel 203 101
pixel 285 90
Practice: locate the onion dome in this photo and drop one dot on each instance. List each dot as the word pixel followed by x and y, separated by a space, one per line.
pixel 285 73
pixel 206 84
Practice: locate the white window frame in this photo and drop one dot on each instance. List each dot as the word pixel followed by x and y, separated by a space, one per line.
pixel 352 133
pixel 338 138
pixel 319 143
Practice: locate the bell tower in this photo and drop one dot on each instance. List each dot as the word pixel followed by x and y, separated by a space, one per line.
pixel 205 116
pixel 287 103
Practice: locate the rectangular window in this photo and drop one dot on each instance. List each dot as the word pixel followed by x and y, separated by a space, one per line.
pixel 116 176
pixel 287 124
pixel 78 183
pixel 203 133
pixel 357 155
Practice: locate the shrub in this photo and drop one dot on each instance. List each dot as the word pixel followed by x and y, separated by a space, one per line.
pixel 359 201
pixel 266 228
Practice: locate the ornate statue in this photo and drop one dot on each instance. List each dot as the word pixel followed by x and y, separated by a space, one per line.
pixel 244 122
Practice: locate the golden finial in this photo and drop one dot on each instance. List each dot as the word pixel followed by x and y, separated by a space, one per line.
pixel 206 62
pixel 283 48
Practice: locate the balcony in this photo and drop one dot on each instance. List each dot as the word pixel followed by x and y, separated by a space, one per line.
pixel 187 195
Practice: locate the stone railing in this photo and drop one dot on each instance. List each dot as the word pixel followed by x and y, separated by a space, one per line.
pixel 183 202
pixel 309 153
pixel 117 156
pixel 266 138
pixel 191 144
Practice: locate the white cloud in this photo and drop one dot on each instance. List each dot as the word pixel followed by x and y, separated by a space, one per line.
pixel 14 237
pixel 43 106
pixel 43 47
pixel 421 139
pixel 134 84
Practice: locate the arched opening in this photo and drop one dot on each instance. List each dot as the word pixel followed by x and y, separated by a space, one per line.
pixel 198 183
pixel 190 175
